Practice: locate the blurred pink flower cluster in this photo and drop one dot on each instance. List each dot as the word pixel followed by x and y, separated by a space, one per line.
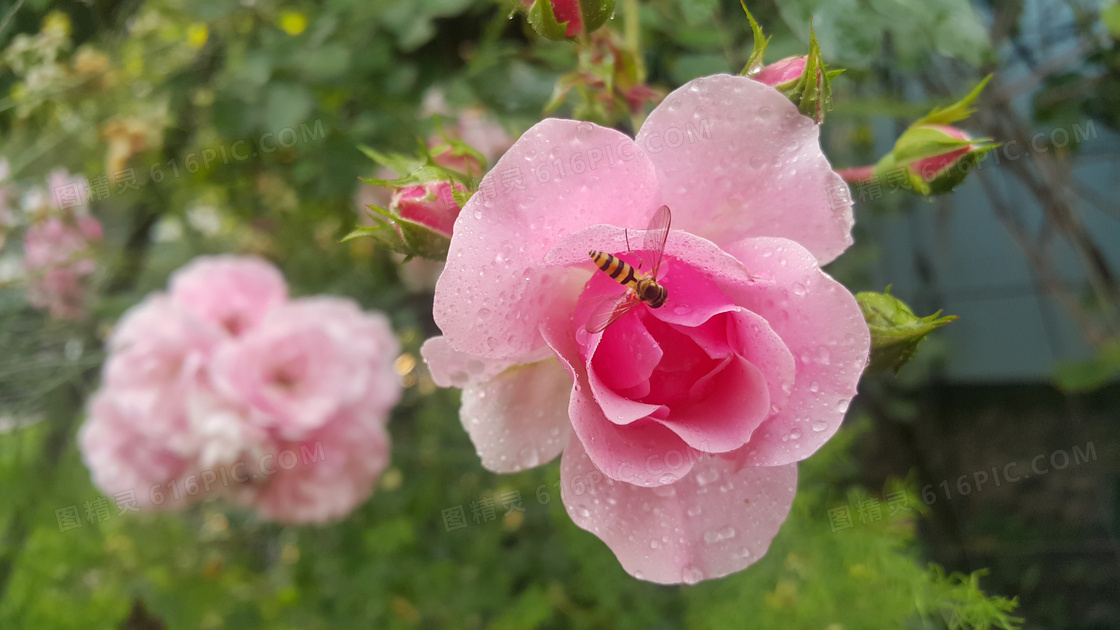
pixel 223 386
pixel 58 251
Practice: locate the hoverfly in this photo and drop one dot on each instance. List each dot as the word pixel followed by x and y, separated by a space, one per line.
pixel 640 287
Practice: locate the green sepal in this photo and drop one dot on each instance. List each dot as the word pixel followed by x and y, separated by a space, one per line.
pixel 951 175
pixel 595 13
pixel 1084 376
pixel 402 236
pixel 812 91
pixel 755 61
pixel 392 161
pixel 957 111
pixel 543 21
pixel 921 142
pixel 895 330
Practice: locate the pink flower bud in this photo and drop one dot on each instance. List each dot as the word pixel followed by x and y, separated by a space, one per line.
pixel 432 205
pixel 782 72
pixel 558 19
pixel 929 167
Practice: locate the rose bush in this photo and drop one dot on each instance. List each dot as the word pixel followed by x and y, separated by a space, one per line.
pixel 679 426
pixel 224 386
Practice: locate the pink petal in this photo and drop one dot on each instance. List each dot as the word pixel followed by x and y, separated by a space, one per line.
pixel 518 419
pixel 724 407
pixel 716 521
pixel 701 255
pixel 821 324
pixel 628 355
pixel 560 177
pixel 451 368
pixel 735 159
pixel 629 453
pixel 235 292
pixel 757 342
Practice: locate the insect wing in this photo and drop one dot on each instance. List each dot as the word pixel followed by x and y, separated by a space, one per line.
pixel 608 310
pixel 656 234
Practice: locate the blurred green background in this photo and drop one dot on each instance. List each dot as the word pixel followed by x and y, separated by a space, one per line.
pixel 1023 251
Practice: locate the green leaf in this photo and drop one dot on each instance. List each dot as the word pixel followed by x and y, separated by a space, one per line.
pixel 1083 376
pixel 895 330
pixel 755 61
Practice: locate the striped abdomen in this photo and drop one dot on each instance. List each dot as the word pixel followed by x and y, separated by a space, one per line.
pixel 621 271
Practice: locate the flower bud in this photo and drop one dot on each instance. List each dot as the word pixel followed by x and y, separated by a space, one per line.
pixel 934 155
pixel 420 218
pixel 782 73
pixel 432 204
pixel 804 80
pixel 895 330
pixel 564 19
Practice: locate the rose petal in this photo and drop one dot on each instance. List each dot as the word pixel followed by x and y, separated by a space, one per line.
pixel 451 368
pixel 627 453
pixel 235 292
pixel 735 159
pixel 823 327
pixel 561 176
pixel 724 408
pixel 716 521
pixel 519 418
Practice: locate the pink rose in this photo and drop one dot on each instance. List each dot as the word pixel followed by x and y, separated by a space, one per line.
pixel 227 388
pixel 680 426
pixel 59 258
pixel 156 353
pixel 327 473
pixel 309 360
pixel 233 292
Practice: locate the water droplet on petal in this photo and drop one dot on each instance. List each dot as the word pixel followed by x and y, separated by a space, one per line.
pixel 707 476
pixel 820 425
pixel 814 387
pixel 691 574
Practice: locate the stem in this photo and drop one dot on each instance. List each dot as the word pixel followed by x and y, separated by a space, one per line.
pixel 857 173
pixel 631 12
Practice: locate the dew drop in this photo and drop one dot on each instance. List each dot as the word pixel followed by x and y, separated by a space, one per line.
pixel 707 476
pixel 814 387
pixel 795 434
pixel 691 574
pixel 484 312
pixel 820 425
